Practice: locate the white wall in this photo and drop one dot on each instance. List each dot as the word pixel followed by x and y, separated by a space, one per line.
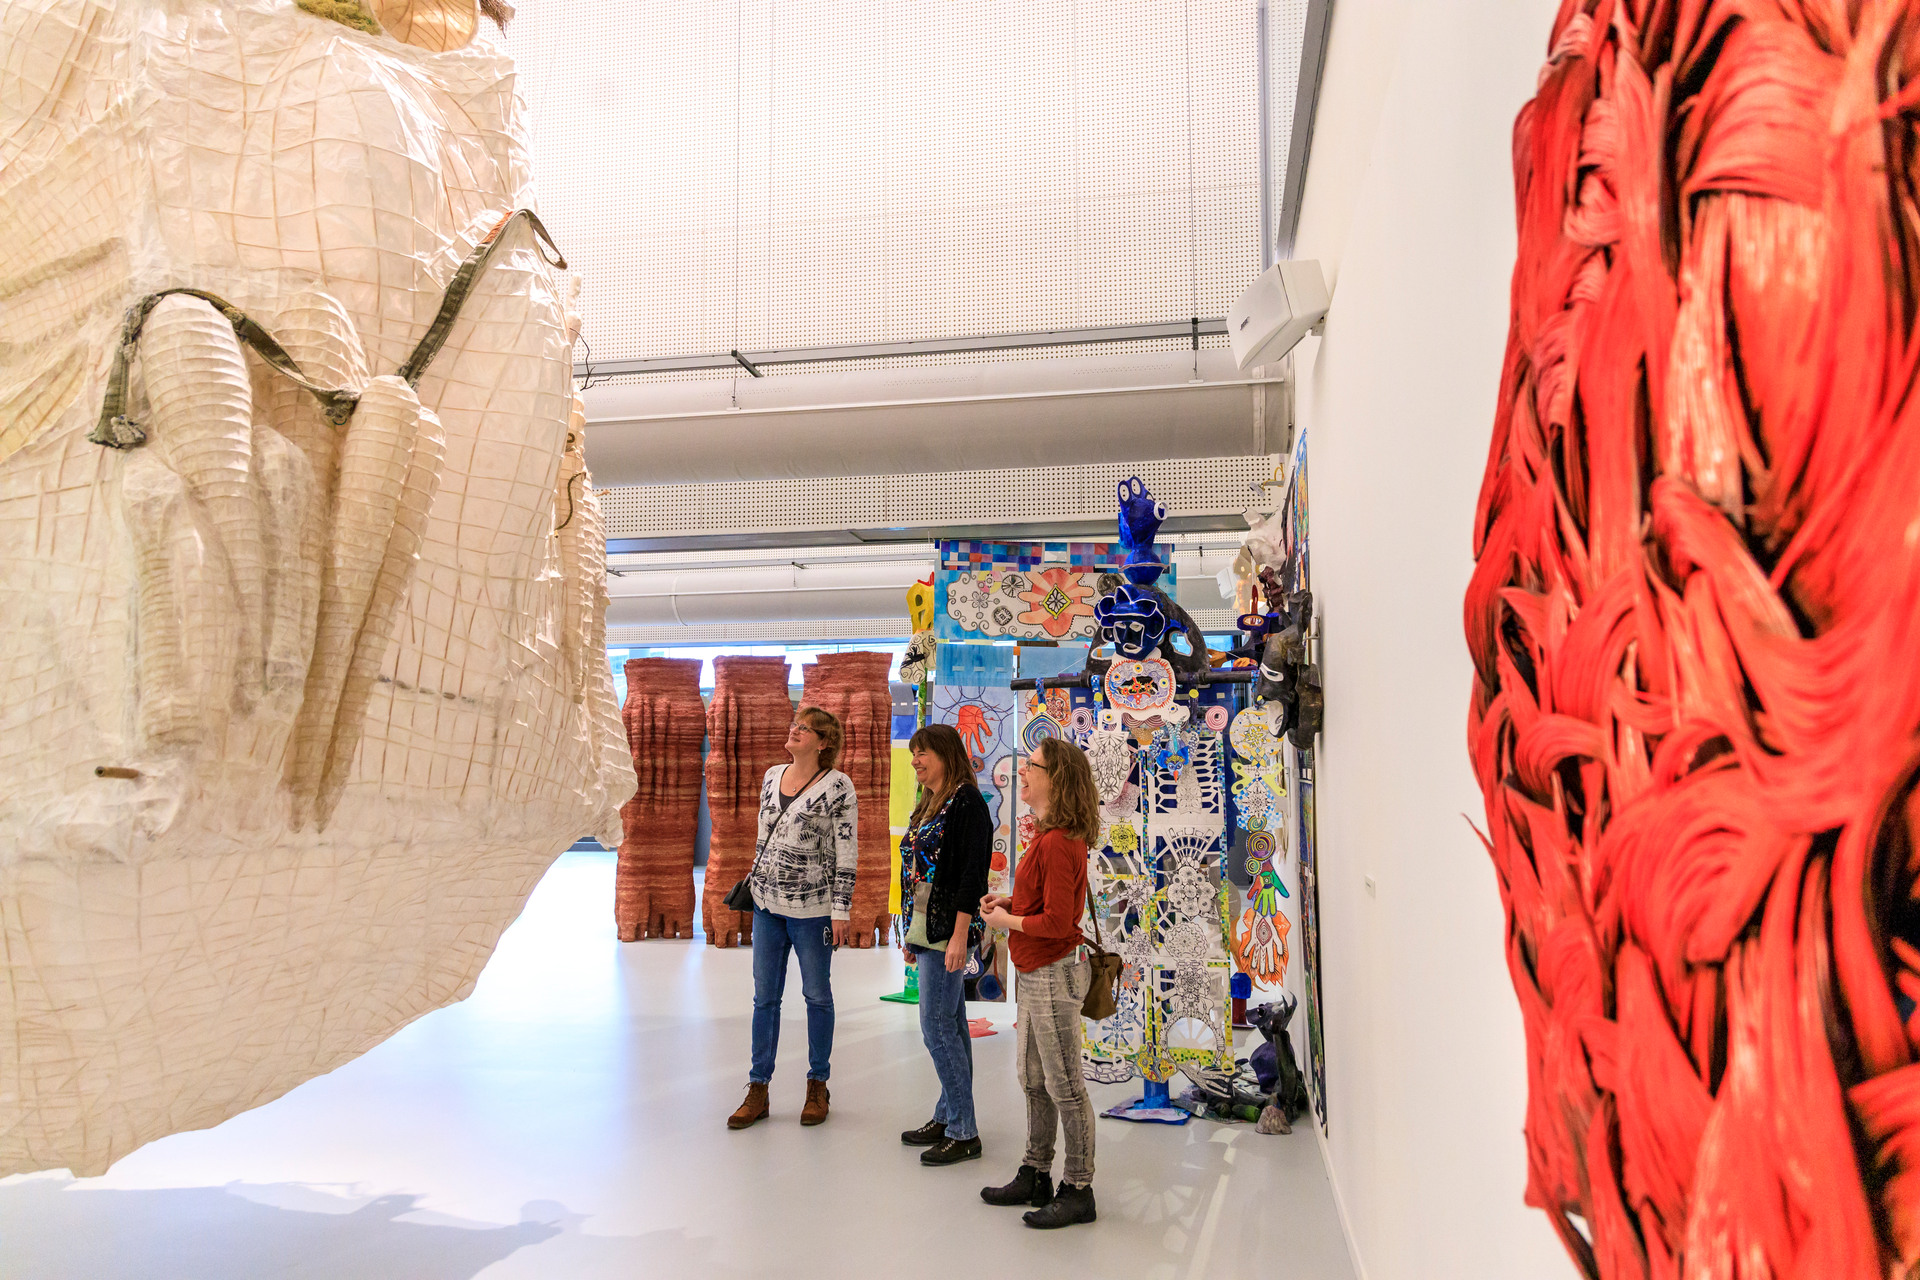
pixel 1409 202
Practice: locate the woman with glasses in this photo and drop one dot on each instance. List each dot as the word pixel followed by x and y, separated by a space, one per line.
pixel 1043 922
pixel 802 883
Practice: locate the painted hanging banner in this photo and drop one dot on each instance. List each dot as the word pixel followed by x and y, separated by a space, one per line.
pixel 1156 877
pixel 987 720
pixel 1294 576
pixel 1256 861
pixel 1026 590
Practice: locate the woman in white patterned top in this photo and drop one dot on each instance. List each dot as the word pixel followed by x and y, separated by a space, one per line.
pixel 802 883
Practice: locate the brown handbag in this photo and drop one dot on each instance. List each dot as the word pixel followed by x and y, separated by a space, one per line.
pixel 1104 975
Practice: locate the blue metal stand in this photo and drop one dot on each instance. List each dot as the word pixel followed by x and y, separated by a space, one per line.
pixel 1157 1098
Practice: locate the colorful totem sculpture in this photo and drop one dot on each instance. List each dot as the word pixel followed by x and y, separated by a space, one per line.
pixel 666 724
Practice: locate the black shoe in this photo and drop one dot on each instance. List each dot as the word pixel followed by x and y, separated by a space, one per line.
pixel 1069 1205
pixel 951 1151
pixel 926 1135
pixel 1029 1186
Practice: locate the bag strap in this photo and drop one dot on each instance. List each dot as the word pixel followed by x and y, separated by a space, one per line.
pixel 762 848
pixel 757 852
pixel 116 430
pixel 461 285
pixel 1093 918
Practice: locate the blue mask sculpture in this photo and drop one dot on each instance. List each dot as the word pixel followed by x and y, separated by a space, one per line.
pixel 1132 619
pixel 1140 518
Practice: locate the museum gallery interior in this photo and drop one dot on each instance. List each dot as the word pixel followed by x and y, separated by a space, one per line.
pixel 1296 613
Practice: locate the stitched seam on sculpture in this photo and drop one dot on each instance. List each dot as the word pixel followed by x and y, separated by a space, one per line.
pixel 17 285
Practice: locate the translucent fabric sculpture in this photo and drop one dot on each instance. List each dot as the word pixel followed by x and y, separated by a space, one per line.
pixel 302 683
pixel 1696 704
pixel 747 724
pixel 666 724
pixel 853 686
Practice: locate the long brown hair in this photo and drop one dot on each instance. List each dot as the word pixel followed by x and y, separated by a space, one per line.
pixel 826 726
pixel 1073 802
pixel 943 740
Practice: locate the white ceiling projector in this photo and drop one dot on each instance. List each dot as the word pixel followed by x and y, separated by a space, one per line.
pixel 1285 303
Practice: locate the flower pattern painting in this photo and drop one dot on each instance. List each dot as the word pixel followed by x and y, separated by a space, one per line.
pixel 1056 600
pixel 1023 590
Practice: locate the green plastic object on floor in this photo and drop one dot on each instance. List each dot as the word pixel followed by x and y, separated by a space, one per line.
pixel 909 994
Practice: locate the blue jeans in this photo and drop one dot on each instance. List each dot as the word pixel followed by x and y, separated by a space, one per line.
pixel 810 938
pixel 943 1025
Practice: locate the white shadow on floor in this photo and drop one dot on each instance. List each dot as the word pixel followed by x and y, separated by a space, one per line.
pixel 51 1229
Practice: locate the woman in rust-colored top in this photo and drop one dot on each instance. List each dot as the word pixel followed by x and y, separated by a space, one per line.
pixel 1043 921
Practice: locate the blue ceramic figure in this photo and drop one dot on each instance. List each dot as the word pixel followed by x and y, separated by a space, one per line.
pixel 1140 518
pixel 1132 619
pixel 1135 616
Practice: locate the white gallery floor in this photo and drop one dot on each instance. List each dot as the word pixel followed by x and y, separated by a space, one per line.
pixel 567 1121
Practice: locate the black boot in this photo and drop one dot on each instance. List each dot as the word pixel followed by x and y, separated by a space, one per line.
pixel 1069 1205
pixel 1029 1186
pixel 951 1151
pixel 926 1135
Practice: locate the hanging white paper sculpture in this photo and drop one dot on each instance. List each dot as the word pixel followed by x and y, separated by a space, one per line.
pixel 302 672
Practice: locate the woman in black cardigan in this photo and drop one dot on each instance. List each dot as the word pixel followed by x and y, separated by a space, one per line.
pixel 943 870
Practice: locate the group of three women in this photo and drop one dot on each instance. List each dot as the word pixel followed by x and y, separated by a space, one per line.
pixel 802 882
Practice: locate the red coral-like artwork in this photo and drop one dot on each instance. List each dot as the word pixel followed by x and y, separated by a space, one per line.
pixel 1695 626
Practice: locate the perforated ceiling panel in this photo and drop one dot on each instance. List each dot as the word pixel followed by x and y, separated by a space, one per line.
pixel 758 174
pixel 1206 486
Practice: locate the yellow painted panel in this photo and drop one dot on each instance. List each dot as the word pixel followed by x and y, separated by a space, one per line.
pixel 900 804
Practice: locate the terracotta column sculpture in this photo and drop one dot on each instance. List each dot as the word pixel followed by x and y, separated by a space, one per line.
pixel 747 732
pixel 653 885
pixel 853 686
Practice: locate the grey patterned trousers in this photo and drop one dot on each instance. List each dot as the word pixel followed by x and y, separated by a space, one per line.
pixel 1049 1043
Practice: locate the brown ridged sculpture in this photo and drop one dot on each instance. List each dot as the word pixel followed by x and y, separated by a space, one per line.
pixel 747 734
pixel 666 723
pixel 853 686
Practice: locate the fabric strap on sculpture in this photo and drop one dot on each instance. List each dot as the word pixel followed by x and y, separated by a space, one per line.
pixel 117 431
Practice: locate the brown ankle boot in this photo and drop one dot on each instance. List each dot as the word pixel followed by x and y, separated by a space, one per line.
pixel 816 1109
pixel 753 1108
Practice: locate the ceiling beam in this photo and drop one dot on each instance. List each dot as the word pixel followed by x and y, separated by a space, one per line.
pixel 1193 328
pixel 1313 61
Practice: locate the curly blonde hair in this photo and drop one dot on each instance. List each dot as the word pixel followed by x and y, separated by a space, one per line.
pixel 1073 802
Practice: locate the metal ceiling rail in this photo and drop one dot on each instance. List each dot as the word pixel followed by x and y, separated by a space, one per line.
pixel 1306 104
pixel 752 361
